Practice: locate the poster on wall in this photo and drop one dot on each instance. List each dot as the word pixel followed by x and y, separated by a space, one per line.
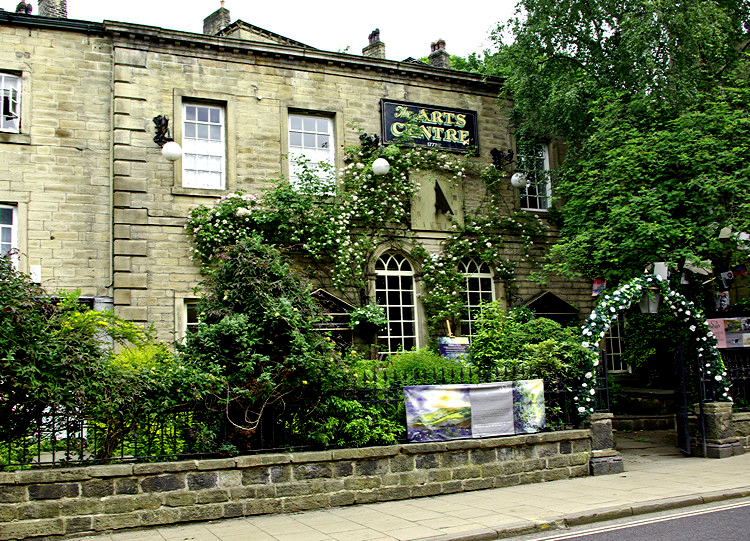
pixel 731 332
pixel 449 412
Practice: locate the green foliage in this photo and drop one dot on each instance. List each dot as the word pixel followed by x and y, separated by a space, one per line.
pixel 519 343
pixel 335 230
pixel 651 97
pixel 652 342
pixel 348 423
pixel 59 354
pixel 417 363
pixel 370 313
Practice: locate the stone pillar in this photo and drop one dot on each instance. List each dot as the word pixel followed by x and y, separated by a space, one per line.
pixel 721 441
pixel 439 57
pixel 217 21
pixel 53 8
pixel 376 48
pixel 604 459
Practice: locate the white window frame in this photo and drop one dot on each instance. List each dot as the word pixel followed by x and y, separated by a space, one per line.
pixel 536 194
pixel 10 107
pixel 204 154
pixel 400 303
pixel 476 274
pixel 613 347
pixel 311 140
pixel 9 233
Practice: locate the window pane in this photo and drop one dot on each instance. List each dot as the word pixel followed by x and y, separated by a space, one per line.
pixel 6 216
pixel 323 141
pixel 295 122
pixel 309 140
pixel 190 131
pixel 202 131
pixel 323 124
pixel 202 114
pixel 215 115
pixel 309 124
pixel 215 133
pixel 190 113
pixel 5 235
pixel 295 139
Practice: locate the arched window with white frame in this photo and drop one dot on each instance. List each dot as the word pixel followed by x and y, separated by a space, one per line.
pixel 395 291
pixel 478 290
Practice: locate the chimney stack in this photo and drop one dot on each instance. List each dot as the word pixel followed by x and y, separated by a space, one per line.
pixel 376 48
pixel 217 21
pixel 57 9
pixel 439 57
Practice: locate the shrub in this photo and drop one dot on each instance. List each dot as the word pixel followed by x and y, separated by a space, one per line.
pixel 522 345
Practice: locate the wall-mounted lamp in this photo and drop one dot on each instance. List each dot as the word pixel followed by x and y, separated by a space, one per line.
pixel 381 166
pixel 502 159
pixel 518 180
pixel 169 149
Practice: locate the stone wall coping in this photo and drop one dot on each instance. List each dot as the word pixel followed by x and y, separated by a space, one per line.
pixel 86 473
pixel 742 416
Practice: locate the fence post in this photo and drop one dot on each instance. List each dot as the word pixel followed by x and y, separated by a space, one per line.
pixel 604 459
pixel 720 439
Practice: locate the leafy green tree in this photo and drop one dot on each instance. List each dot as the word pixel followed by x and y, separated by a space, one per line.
pixel 651 97
pixel 257 338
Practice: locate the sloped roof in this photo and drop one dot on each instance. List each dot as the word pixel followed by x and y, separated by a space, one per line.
pixel 547 303
pixel 239 29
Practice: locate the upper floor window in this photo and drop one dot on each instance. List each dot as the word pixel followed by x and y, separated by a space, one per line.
pixel 534 161
pixel 203 147
pixel 478 290
pixel 10 85
pixel 311 146
pixel 394 290
pixel 9 231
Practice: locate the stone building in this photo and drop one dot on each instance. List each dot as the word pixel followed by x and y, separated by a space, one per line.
pixel 90 202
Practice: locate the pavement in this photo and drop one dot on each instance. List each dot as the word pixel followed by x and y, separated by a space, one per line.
pixel 656 478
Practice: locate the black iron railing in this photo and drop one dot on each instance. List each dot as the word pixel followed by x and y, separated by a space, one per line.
pixel 63 438
pixel 737 363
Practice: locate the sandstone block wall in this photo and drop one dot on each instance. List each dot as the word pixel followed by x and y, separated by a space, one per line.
pixel 95 499
pixel 57 170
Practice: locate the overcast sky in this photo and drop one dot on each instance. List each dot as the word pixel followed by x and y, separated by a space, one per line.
pixel 406 27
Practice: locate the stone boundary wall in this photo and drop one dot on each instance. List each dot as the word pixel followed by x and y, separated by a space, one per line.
pixel 742 429
pixel 93 499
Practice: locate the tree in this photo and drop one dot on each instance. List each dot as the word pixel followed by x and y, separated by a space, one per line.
pixel 651 97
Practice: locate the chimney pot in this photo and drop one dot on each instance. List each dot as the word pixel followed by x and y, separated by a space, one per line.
pixel 376 48
pixel 57 9
pixel 439 57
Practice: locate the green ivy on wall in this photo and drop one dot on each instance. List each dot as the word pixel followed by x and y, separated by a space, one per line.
pixel 337 231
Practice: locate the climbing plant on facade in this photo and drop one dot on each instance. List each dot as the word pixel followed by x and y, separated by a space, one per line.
pixel 598 323
pixel 337 231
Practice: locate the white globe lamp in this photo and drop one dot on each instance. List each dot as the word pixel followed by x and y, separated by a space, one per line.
pixel 518 180
pixel 381 166
pixel 171 151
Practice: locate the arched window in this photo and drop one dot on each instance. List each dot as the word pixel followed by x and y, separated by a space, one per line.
pixel 478 289
pixel 394 290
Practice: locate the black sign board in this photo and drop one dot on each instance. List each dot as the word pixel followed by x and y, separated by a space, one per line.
pixel 437 127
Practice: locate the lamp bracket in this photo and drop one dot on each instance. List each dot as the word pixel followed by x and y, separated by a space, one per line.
pixel 162 130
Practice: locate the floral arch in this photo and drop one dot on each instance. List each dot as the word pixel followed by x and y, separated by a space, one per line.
pixel 601 317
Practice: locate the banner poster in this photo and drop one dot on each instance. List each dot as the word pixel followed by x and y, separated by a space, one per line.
pixel 453 347
pixel 731 332
pixel 449 412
